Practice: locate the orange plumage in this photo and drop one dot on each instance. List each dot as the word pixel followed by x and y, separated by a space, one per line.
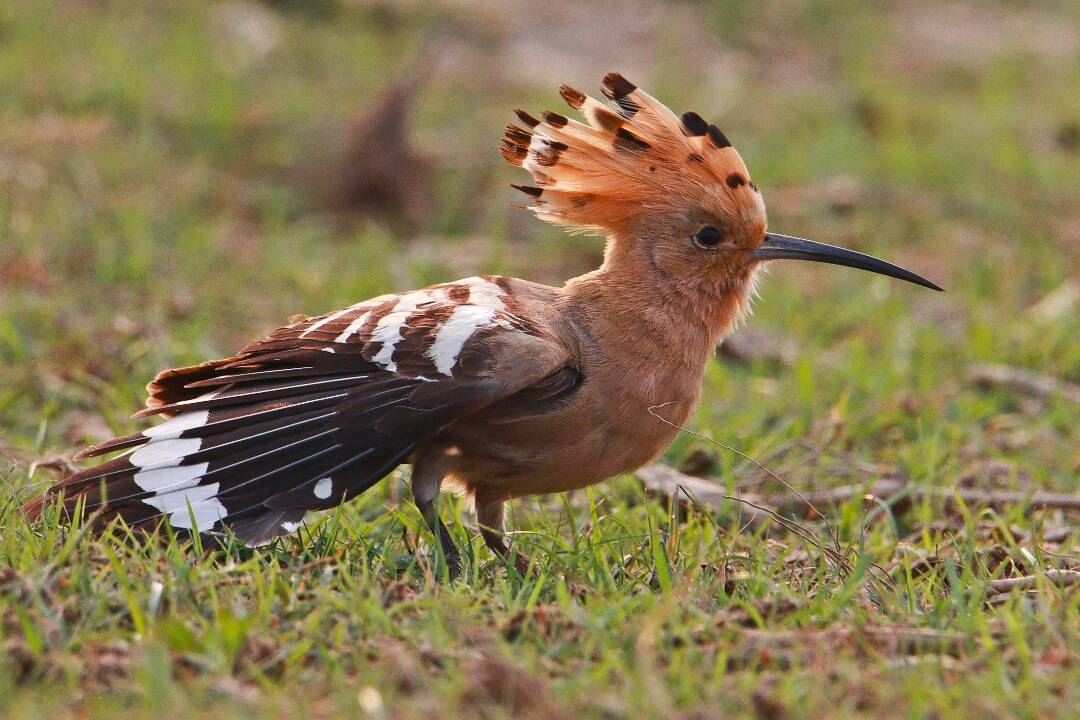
pixel 635 158
pixel 498 386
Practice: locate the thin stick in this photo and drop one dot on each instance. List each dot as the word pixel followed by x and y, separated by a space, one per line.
pixel 1060 578
pixel 828 525
pixel 885 489
pixel 1023 381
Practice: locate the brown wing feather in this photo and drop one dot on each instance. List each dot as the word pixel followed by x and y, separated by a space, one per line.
pixel 313 414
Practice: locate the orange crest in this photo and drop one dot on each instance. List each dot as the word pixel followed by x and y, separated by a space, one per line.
pixel 635 157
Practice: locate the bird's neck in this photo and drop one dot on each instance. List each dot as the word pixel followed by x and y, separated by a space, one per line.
pixel 633 309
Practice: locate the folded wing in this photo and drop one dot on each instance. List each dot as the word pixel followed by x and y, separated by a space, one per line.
pixel 313 414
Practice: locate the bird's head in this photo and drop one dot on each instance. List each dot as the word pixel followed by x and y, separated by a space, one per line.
pixel 668 190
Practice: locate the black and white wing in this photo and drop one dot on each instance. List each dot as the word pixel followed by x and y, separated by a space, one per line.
pixel 315 413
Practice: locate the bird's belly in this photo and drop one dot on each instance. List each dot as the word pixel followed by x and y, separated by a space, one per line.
pixel 560 451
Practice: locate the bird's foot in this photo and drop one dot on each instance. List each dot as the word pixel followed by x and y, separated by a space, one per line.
pixel 496 541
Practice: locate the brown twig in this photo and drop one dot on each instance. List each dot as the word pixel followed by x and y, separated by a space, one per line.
pixel 1060 578
pixel 685 493
pixel 1023 381
pixel 668 482
pixel 664 480
pixel 784 649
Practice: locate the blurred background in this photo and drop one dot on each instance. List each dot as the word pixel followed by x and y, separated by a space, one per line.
pixel 177 177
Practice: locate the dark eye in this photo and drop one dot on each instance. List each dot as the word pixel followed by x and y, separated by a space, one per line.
pixel 708 238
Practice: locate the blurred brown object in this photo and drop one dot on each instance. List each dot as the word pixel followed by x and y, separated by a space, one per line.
pixel 383 173
pixel 379 171
pixel 989 375
pixel 751 345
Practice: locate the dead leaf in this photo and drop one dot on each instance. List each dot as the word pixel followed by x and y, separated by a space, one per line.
pixel 491 680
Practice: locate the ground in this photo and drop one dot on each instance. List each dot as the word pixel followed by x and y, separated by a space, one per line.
pixel 177 177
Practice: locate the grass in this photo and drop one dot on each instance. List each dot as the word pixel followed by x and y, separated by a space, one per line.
pixel 154 212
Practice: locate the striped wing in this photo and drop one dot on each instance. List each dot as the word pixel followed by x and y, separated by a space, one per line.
pixel 315 413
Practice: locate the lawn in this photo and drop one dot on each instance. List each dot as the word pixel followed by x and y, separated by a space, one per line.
pixel 178 177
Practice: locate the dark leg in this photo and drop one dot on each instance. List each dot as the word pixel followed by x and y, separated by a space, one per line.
pixel 428 471
pixel 453 557
pixel 489 513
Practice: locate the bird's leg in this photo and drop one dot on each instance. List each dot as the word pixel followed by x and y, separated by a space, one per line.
pixel 489 513
pixel 429 468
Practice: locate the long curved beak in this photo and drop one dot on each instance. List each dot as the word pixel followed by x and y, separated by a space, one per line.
pixel 787 247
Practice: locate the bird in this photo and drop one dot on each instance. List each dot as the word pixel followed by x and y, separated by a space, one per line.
pixel 492 387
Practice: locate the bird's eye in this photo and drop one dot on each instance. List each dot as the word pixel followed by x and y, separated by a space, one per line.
pixel 708 238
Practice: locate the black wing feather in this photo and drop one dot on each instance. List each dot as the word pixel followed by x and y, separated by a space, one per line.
pixel 313 414
pixel 256 449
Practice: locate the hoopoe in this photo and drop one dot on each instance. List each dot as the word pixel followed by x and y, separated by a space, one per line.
pixel 492 386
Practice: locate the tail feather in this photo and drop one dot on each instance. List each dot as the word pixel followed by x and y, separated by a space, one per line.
pixel 196 445
pixel 275 374
pixel 114 445
pixel 198 423
pixel 260 528
pixel 246 447
pixel 126 482
pixel 306 418
pixel 242 395
pixel 336 488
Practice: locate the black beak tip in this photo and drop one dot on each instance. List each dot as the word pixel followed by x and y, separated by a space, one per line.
pixel 779 247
